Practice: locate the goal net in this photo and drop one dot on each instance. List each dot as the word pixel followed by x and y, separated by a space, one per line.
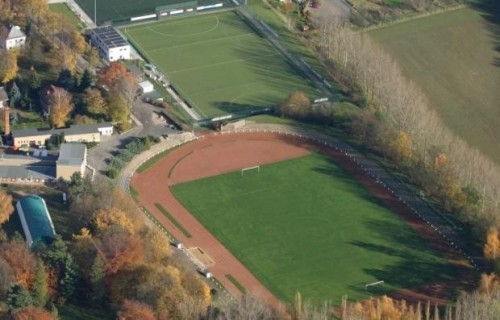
pixel 251 169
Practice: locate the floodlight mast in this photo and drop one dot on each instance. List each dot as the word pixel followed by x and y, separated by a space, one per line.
pixel 95 12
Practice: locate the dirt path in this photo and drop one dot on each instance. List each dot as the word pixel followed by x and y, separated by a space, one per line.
pixel 215 154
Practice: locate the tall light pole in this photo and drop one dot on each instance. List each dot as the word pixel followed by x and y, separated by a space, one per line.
pixel 95 12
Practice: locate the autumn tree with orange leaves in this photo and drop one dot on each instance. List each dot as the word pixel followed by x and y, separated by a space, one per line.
pixel 6 207
pixel 492 246
pixel 32 313
pixel 118 80
pixel 8 65
pixel 118 249
pixel 21 261
pixel 132 310
pixel 60 106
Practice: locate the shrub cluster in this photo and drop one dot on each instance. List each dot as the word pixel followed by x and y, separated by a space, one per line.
pixel 127 153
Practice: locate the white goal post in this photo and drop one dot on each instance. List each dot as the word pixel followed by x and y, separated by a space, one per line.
pixel 250 168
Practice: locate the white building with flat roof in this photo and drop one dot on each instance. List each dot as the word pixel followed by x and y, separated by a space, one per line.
pixel 111 45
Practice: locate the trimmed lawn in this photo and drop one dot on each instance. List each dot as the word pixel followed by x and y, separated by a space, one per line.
pixel 452 57
pixel 306 225
pixel 109 10
pixel 218 62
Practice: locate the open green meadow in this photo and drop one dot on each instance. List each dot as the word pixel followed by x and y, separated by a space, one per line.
pixel 218 62
pixel 452 57
pixel 306 225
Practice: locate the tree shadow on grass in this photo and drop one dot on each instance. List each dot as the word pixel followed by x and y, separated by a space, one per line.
pixel 490 11
pixel 349 183
pixel 234 107
pixel 275 70
pixel 419 264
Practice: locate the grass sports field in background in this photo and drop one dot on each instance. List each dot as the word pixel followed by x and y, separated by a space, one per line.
pixel 218 62
pixel 452 57
pixel 306 225
pixel 109 10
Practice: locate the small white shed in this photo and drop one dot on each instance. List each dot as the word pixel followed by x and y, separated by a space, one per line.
pixel 146 87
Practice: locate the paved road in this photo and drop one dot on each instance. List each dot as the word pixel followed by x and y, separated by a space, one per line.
pixel 192 113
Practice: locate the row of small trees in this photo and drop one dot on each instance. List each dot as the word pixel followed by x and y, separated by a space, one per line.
pixel 127 153
pixel 398 123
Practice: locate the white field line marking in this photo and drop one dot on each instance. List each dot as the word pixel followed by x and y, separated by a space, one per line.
pixel 164 34
pixel 222 63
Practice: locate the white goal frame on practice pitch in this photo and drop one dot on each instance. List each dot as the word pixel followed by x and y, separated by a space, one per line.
pixel 250 168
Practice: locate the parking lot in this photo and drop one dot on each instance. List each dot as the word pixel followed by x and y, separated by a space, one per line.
pixel 146 122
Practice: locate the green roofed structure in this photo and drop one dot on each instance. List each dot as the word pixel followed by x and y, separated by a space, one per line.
pixel 35 219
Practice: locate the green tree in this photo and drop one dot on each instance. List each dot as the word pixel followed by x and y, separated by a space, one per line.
pixel 69 279
pixel 118 110
pixel 94 102
pixel 65 79
pixel 41 293
pixel 19 297
pixel 14 95
pixel 53 310
pixel 147 143
pixel 58 257
pixel 56 252
pixel 92 56
pixel 6 278
pixel 34 80
pixel 76 179
pixel 97 276
pixel 86 80
pixel 112 172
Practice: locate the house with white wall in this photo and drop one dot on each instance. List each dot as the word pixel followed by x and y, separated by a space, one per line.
pixel 12 37
pixel 111 45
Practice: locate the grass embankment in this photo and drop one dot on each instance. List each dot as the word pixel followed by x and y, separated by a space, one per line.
pixel 173 220
pixel 306 225
pixel 236 283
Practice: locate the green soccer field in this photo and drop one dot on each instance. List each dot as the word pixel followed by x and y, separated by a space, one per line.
pixel 218 62
pixel 306 225
pixel 110 10
pixel 454 58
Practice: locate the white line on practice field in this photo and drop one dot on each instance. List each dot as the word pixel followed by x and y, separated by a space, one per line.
pixel 222 63
pixel 171 22
pixel 163 34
